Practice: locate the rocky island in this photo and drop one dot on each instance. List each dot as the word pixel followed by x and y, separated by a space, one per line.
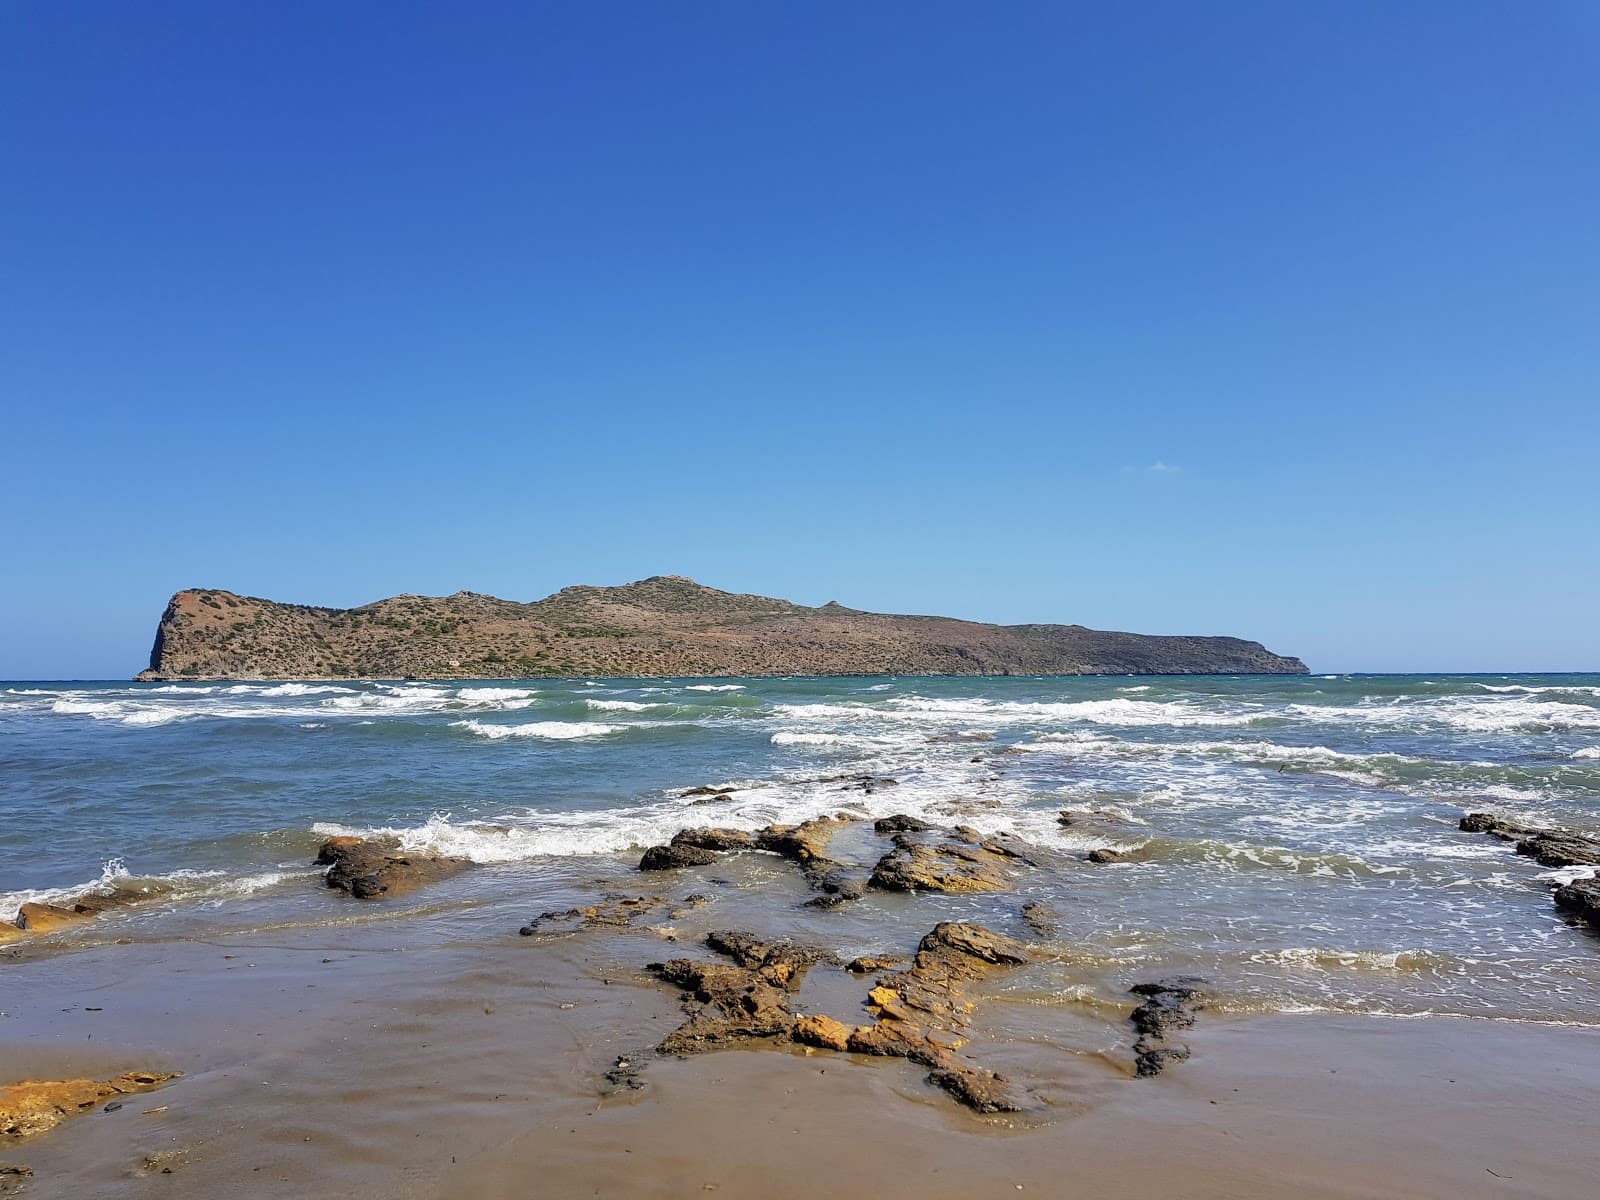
pixel 664 625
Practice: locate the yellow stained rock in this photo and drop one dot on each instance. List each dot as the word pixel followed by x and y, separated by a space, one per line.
pixel 819 1030
pixel 36 1105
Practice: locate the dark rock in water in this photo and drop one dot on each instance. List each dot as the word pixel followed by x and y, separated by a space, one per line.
pixel 865 783
pixel 871 964
pixel 1169 1006
pixel 1106 855
pixel 728 1004
pixel 1582 899
pixel 805 844
pixel 1550 847
pixel 1088 816
pixel 367 870
pixel 625 1074
pixel 615 912
pixel 712 839
pixel 1558 849
pixel 1482 822
pixel 667 858
pixel 939 738
pixel 708 791
pixel 899 823
pixel 1040 918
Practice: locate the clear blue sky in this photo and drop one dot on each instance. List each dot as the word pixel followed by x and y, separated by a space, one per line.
pixel 1272 319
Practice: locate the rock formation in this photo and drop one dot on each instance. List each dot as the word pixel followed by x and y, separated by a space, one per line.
pixel 664 625
pixel 37 1105
pixel 1169 1007
pixel 921 1013
pixel 367 870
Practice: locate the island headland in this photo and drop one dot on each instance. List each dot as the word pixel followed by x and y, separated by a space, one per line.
pixel 665 625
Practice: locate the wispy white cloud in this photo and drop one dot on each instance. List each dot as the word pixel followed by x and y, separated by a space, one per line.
pixel 1160 468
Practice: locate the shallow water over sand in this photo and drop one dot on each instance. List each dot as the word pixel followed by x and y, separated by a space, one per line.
pixel 1295 838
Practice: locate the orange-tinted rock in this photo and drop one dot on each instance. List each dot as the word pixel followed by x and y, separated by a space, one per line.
pixel 822 1031
pixel 36 1105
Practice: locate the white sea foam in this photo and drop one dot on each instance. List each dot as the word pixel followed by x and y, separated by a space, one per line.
pixel 714 687
pixel 303 689
pixel 1587 752
pixel 995 713
pixel 619 705
pixel 492 695
pixel 554 730
pixel 184 883
pixel 850 741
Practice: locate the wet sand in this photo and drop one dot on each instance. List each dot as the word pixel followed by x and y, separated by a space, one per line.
pixel 420 1062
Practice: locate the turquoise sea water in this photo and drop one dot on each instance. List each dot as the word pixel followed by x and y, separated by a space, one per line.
pixel 1298 835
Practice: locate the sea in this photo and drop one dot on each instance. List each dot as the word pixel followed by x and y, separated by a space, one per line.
pixel 1293 840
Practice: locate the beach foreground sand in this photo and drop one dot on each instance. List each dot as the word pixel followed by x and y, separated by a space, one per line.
pixel 341 1061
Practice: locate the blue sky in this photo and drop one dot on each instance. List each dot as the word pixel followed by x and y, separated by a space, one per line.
pixel 1280 320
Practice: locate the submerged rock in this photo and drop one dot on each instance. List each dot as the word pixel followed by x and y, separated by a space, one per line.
pixel 367 870
pixel 869 964
pixel 1169 1006
pixel 613 912
pixel 1041 918
pixel 900 823
pixel 805 844
pixel 1107 854
pixel 36 1105
pixel 37 920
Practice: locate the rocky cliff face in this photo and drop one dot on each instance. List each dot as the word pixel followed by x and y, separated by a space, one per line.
pixel 665 625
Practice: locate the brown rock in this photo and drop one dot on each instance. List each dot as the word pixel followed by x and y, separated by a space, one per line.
pixel 921 1013
pixel 367 870
pixel 920 867
pixel 1040 918
pixel 728 1004
pixel 37 920
pixel 712 839
pixel 615 912
pixel 667 858
pixel 37 1105
pixel 805 844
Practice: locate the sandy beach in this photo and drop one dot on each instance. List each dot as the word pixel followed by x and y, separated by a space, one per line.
pixel 371 1057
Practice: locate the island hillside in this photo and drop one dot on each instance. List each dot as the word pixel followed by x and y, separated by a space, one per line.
pixel 665 625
